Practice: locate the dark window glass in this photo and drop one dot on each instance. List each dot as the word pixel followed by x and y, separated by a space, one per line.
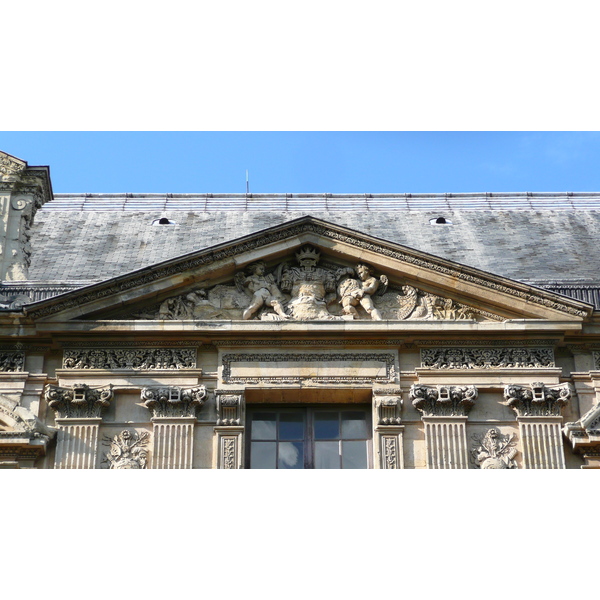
pixel 307 437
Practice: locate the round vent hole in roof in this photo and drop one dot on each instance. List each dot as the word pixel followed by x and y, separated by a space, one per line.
pixel 163 221
pixel 440 221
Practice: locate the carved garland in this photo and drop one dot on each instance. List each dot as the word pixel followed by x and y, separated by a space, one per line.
pixel 133 358
pixel 487 358
pixel 387 359
pixel 125 283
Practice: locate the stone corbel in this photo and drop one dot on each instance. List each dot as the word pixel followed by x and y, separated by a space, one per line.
pixel 538 408
pixel 584 436
pixel 229 432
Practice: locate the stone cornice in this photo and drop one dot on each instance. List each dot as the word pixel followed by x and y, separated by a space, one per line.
pixel 305 225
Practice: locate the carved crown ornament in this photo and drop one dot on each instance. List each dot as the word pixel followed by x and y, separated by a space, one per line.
pixel 296 277
pixel 537 400
pixel 443 401
pixel 174 401
pixel 79 401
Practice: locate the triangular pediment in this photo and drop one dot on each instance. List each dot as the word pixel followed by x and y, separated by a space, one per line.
pixel 307 270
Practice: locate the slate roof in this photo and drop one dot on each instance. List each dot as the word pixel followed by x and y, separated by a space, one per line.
pixel 549 240
pixel 74 238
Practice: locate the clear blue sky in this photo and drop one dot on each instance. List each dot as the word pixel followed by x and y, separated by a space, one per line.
pixel 312 162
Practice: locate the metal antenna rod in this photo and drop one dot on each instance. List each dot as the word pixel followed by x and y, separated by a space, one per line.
pixel 247 183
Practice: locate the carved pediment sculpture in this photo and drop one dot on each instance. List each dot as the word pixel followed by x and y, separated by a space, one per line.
pixel 305 288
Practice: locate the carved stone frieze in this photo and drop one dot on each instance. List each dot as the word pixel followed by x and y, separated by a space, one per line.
pixel 130 358
pixel 230 405
pixel 537 400
pixel 287 232
pixel 79 401
pixel 12 362
pixel 310 291
pixel 174 401
pixel 493 450
pixel 127 450
pixel 487 358
pixel 441 400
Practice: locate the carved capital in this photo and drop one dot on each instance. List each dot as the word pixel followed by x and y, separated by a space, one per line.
pixel 174 401
pixel 388 409
pixel 537 400
pixel 78 402
pixel 230 406
pixel 493 450
pixel 443 401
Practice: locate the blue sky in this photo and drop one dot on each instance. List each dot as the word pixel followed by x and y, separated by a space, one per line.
pixel 312 162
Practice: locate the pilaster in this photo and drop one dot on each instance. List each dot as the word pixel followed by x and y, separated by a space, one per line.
pixel 538 409
pixel 445 412
pixel 388 432
pixel 230 429
pixel 78 416
pixel 174 414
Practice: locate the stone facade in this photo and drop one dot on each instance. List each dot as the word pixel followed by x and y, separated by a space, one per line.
pixel 306 344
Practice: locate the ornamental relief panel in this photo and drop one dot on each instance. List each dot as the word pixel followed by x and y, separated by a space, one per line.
pixel 305 287
pixel 127 450
pixel 493 450
pixel 129 358
pixel 487 358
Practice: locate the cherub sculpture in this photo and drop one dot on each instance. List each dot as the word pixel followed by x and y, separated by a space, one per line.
pixel 360 291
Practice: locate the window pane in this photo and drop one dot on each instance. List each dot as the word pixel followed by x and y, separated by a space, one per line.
pixel 354 425
pixel 291 455
pixel 262 455
pixel 354 455
pixel 327 455
pixel 327 426
pixel 291 426
pixel 264 426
